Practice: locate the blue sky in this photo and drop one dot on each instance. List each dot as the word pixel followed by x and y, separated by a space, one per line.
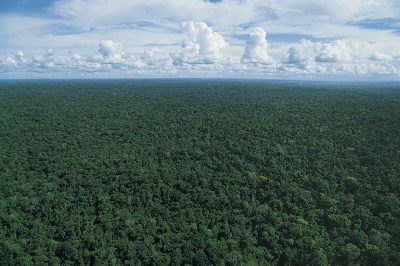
pixel 314 39
pixel 24 6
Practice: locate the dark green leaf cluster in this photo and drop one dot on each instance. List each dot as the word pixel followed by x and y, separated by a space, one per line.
pixel 199 173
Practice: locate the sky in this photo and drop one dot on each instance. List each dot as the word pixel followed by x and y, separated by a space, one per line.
pixel 290 39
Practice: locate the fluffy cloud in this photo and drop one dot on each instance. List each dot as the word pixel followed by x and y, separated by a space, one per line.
pixel 110 47
pixel 154 59
pixel 336 57
pixel 202 55
pixel 366 69
pixel 380 57
pixel 78 25
pixel 112 52
pixel 256 48
pixel 44 61
pixel 20 57
pixel 202 46
pixel 7 63
pixel 12 63
pixel 337 51
pixel 306 53
pixel 301 52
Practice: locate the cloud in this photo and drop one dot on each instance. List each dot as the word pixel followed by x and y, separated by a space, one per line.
pixel 78 25
pixel 110 48
pixel 106 12
pixel 377 56
pixel 366 69
pixel 301 52
pixel 111 55
pixel 256 48
pixel 111 51
pixel 44 61
pixel 7 63
pixel 338 57
pixel 203 53
pixel 20 57
pixel 202 46
pixel 338 51
pixel 154 59
pixel 306 52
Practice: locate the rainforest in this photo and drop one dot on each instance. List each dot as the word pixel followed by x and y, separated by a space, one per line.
pixel 199 172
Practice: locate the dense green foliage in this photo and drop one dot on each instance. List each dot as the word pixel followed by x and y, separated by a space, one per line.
pixel 199 173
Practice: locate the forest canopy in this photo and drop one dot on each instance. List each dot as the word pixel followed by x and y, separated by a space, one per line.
pixel 197 172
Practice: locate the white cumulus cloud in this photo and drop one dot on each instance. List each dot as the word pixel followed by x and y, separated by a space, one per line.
pixel 312 57
pixel 377 56
pixel 338 57
pixel 256 48
pixel 301 52
pixel 337 51
pixel 366 69
pixel 44 61
pixel 205 52
pixel 112 52
pixel 203 45
pixel 20 57
pixel 7 63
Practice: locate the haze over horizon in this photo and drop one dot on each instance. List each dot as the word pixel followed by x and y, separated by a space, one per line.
pixel 317 40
